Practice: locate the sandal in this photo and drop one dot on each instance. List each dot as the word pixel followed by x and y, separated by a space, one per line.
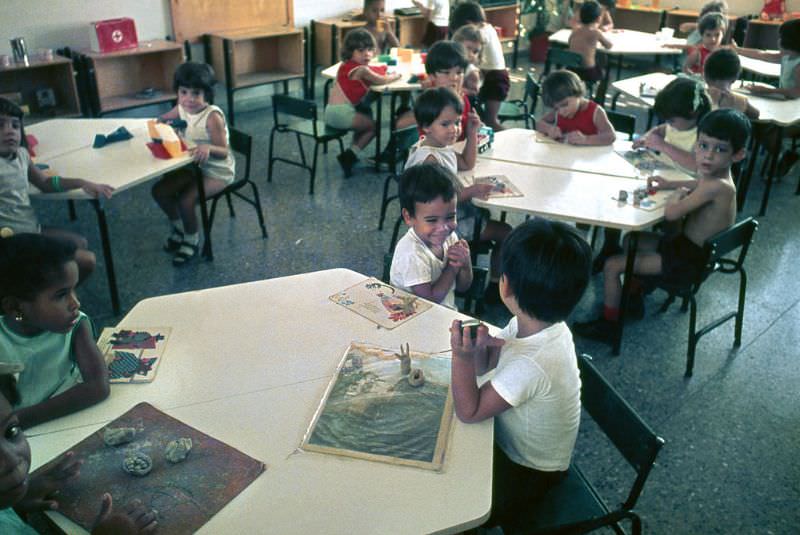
pixel 186 251
pixel 174 241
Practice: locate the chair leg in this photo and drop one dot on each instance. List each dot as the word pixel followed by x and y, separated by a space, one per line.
pixel 271 159
pixel 302 152
pixel 72 214
pixel 211 213
pixel 737 333
pixel 230 204
pixel 384 201
pixel 259 213
pixel 313 169
pixel 692 337
pixel 395 233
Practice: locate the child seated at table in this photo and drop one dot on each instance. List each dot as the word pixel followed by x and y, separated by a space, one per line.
pixel 721 71
pixel 23 494
pixel 788 57
pixel 348 106
pixel 430 260
pixel 470 38
pixel 378 24
pixel 18 172
pixel 584 38
pixel 43 328
pixel 533 391
pixel 605 23
pixel 705 207
pixel 695 37
pixel 681 104
pixel 176 192
pixel 573 118
pixel 712 28
pixel 496 83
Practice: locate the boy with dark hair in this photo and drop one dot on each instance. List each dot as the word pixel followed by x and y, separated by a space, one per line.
pixel 378 24
pixel 584 38
pixel 534 391
pixel 722 69
pixel 430 260
pixel 706 206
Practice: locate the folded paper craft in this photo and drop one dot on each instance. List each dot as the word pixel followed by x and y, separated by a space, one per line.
pixel 120 134
pixel 166 143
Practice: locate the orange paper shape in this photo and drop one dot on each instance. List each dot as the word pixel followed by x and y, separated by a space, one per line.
pixel 164 135
pixel 405 54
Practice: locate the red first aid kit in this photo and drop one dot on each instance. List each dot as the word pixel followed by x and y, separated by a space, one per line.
pixel 114 34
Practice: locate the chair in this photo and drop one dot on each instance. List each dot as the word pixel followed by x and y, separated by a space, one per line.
pixel 304 122
pixel 243 144
pixel 404 140
pixel 739 236
pixel 622 122
pixel 566 59
pixel 575 505
pixel 520 110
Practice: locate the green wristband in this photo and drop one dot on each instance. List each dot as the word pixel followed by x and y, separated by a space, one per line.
pixel 55 181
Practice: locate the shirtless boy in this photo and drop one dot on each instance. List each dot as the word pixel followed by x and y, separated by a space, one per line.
pixel 584 39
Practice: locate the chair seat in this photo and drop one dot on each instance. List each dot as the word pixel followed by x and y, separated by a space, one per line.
pixel 510 110
pixel 306 128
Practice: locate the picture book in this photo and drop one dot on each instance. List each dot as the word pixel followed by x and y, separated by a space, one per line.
pixel 133 355
pixel 381 303
pixel 501 185
pixel 642 159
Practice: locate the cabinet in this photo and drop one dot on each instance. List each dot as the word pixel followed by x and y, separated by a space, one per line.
pixel 675 17
pixel 328 36
pixel 639 18
pixel 56 74
pixel 506 17
pixel 762 34
pixel 411 30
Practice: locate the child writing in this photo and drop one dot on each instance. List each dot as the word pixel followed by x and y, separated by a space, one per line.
pixel 534 387
pixel 378 24
pixel 430 260
pixel 681 104
pixel 176 192
pixel 43 329
pixel 605 23
pixel 492 61
pixel 722 69
pixel 712 28
pixel 706 206
pixel 17 172
pixel 584 38
pixel 470 38
pixel 788 57
pixel 348 107
pixel 573 118
pixel 437 13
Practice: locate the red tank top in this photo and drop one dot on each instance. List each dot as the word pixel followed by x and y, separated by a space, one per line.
pixel 582 121
pixel 704 53
pixel 464 118
pixel 354 90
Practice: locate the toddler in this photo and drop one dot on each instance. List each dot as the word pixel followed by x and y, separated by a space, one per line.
pixel 584 38
pixel 712 28
pixel 470 38
pixel 789 58
pixel 378 24
pixel 722 69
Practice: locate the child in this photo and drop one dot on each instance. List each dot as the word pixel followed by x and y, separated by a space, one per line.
pixel 347 107
pixel 695 38
pixel 534 391
pixel 437 13
pixel 707 206
pixel 789 58
pixel 712 28
pixel 493 64
pixel 573 118
pixel 43 328
pixel 682 103
pixel 17 171
pixel 605 23
pixel 722 69
pixel 176 192
pixel 445 65
pixel 470 38
pixel 430 260
pixel 21 493
pixel 378 24
pixel 584 38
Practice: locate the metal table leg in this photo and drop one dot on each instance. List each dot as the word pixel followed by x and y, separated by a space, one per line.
pixel 201 190
pixel 771 173
pixel 378 120
pixel 106 244
pixel 633 244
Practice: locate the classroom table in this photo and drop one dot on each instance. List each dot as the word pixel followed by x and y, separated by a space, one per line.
pixel 249 364
pixel 65 145
pixel 759 67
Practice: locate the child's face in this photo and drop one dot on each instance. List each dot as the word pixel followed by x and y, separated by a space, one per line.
pixel 374 11
pixel 473 49
pixel 191 99
pixel 568 107
pixel 55 308
pixel 363 56
pixel 444 130
pixel 681 123
pixel 452 78
pixel 15 457
pixel 714 157
pixel 433 221
pixel 10 134
pixel 712 38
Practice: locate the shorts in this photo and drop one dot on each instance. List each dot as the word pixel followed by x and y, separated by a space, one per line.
pixel 341 115
pixel 434 33
pixel 682 261
pixel 495 85
pixel 589 74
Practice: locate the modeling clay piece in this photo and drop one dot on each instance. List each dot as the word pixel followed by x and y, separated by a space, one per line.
pixel 178 450
pixel 137 464
pixel 416 378
pixel 405 360
pixel 119 435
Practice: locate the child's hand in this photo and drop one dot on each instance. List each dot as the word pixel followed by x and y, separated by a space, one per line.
pixel 136 519
pixel 200 153
pixel 464 347
pixel 43 487
pixel 458 255
pixel 656 183
pixel 653 141
pixel 575 138
pixel 473 121
pixel 97 190
pixel 479 191
pixel 553 132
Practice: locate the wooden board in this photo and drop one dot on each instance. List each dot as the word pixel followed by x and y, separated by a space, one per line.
pixel 186 495
pixel 191 19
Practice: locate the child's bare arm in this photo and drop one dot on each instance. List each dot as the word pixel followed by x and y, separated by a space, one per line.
pixel 605 132
pixel 546 126
pixel 692 61
pixel 755 53
pixel 657 183
pixel 437 290
pixel 171 114
pixel 466 160
pixel 391 39
pixel 218 149
pixel 370 77
pixel 92 390
pixel 687 27
pixel 751 111
pixel 604 40
pixel 606 22
pixel 646 140
pixel 788 92
pixel 683 202
pixel 49 185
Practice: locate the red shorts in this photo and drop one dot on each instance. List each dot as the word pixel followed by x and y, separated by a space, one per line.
pixel 495 85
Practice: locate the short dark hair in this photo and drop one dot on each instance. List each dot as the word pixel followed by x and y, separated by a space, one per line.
pixel 9 108
pixel 30 262
pixel 547 266
pixel 424 183
pixel 561 84
pixel 358 39
pixel 195 75
pixel 431 102
pixel 722 64
pixel 789 35
pixel 683 97
pixel 590 12
pixel 466 13
pixel 727 125
pixel 717 6
pixel 445 55
pixel 468 32
pixel 712 21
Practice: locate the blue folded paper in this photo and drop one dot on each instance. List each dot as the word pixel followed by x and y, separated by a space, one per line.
pixel 120 134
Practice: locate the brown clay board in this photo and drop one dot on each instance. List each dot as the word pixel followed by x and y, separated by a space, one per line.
pixel 191 19
pixel 185 495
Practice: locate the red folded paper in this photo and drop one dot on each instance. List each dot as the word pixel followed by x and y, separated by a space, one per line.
pixel 380 69
pixel 160 152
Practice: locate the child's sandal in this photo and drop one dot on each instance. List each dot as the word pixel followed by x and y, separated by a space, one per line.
pixel 172 245
pixel 186 251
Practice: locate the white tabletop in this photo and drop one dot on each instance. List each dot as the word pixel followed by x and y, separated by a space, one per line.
pixel 632 86
pixel 761 67
pixel 407 69
pixel 628 42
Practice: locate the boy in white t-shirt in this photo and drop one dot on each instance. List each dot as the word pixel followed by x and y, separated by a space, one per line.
pixel 534 388
pixel 430 260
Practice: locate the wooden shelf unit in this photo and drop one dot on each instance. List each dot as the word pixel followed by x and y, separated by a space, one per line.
pixel 328 36
pixel 762 34
pixel 507 18
pixel 118 77
pixel 411 30
pixel 56 74
pixel 639 18
pixel 675 17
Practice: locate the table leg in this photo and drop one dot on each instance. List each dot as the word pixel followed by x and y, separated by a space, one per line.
pixel 744 182
pixel 106 244
pixel 619 67
pixel 633 244
pixel 771 173
pixel 378 121
pixel 201 191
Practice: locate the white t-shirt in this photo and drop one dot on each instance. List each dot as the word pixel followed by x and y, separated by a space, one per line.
pixel 440 12
pixel 414 263
pixel 538 376
pixel 445 156
pixel 492 58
